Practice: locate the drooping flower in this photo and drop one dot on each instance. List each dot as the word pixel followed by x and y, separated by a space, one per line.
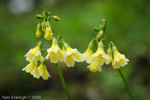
pixel 109 52
pixel 87 55
pixel 93 67
pixel 99 35
pixel 48 33
pixel 99 57
pixel 43 26
pixel 119 59
pixel 32 68
pixel 43 71
pixel 34 54
pixel 72 55
pixel 56 18
pixel 38 31
pixel 55 54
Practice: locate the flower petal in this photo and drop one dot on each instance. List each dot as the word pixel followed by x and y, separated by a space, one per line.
pixel 69 61
pixel 53 57
pixel 77 57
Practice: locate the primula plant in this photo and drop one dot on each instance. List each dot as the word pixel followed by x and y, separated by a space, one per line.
pixel 97 59
pixel 113 56
pixel 60 51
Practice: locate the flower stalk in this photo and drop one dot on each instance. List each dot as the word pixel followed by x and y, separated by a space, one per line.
pixel 63 81
pixel 126 84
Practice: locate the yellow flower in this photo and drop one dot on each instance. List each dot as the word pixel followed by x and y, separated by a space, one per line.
pixel 99 57
pixel 38 33
pixel 56 18
pixel 119 59
pixel 88 53
pixel 32 69
pixel 72 55
pixel 48 33
pixel 109 52
pixel 43 26
pixel 99 35
pixel 55 54
pixel 93 67
pixel 34 54
pixel 43 71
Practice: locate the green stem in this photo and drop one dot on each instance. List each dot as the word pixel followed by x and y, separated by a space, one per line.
pixel 63 81
pixel 125 82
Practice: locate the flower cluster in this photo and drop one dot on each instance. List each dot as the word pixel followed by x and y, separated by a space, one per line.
pixel 66 54
pixel 34 56
pixel 55 54
pixel 97 59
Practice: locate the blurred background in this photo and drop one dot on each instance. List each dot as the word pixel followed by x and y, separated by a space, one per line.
pixel 128 26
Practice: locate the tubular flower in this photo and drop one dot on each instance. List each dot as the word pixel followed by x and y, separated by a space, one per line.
pixel 88 53
pixel 43 26
pixel 32 69
pixel 48 33
pixel 34 54
pixel 99 57
pixel 109 52
pixel 55 54
pixel 72 55
pixel 99 35
pixel 38 33
pixel 93 67
pixel 119 59
pixel 43 71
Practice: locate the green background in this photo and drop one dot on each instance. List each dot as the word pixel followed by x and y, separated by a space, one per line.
pixel 128 26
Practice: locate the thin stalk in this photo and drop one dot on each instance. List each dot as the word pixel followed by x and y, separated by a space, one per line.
pixel 125 82
pixel 63 81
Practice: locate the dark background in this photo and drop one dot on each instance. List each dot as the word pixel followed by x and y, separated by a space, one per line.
pixel 128 26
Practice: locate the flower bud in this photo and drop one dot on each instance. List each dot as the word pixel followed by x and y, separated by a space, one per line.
pixel 38 31
pixel 100 44
pixel 45 13
pixel 100 34
pixel 104 20
pixel 96 29
pixel 56 18
pixel 114 48
pixel 39 16
pixel 49 13
pixel 43 26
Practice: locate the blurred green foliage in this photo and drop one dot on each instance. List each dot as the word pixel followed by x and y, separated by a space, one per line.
pixel 127 26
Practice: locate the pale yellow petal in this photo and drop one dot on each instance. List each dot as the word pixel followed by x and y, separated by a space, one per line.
pixel 77 56
pixel 97 52
pixel 61 55
pixel 89 57
pixel 36 74
pixel 30 57
pixel 116 65
pixel 99 60
pixel 43 71
pixel 69 51
pixel 93 67
pixel 85 53
pixel 53 57
pixel 69 61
